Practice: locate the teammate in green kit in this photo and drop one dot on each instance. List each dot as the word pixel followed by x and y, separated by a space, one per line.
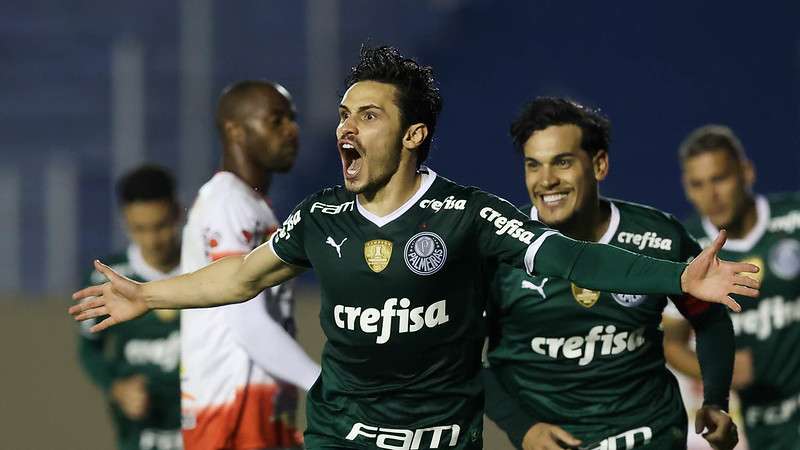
pixel 765 231
pixel 136 364
pixel 402 256
pixel 587 367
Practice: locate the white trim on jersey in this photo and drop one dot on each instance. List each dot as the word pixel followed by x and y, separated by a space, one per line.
pixel 533 249
pixel 613 222
pixel 141 268
pixel 428 177
pixel 746 243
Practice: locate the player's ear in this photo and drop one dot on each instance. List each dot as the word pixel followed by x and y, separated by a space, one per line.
pixel 415 135
pixel 749 173
pixel 233 132
pixel 600 165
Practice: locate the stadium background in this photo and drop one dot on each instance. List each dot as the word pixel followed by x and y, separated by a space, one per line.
pixel 90 89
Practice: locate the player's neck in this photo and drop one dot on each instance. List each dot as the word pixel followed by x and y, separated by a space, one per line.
pixel 590 224
pixel 166 265
pixel 396 192
pixel 745 222
pixel 235 160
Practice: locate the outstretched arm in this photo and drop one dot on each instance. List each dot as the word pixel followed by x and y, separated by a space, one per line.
pixel 230 280
pixel 607 268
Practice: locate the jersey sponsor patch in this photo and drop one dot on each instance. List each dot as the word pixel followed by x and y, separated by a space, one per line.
pixel 784 259
pixel 409 320
pixel 601 340
pixel 627 440
pixel 443 436
pixel 585 297
pixel 773 313
pixel 629 300
pixel 425 253
pixel 533 287
pixel 332 242
pixel 377 253
pixel 448 203
pixel 325 208
pixel 504 226
pixel 649 239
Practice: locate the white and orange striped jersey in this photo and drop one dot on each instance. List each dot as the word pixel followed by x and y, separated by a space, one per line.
pixel 238 362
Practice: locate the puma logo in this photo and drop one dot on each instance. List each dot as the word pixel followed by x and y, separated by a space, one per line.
pixel 338 246
pixel 540 289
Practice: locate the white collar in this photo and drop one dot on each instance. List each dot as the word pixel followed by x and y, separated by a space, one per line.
pixel 428 177
pixel 746 243
pixel 141 268
pixel 613 222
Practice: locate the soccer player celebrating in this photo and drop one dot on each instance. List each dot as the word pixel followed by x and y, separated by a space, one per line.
pixel 136 364
pixel 718 180
pixel 401 254
pixel 240 364
pixel 587 366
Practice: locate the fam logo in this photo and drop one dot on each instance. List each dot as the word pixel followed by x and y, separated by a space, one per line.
pixel 425 253
pixel 629 300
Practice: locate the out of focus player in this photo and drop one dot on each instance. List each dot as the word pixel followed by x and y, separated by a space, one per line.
pixel 765 231
pixel 586 366
pixel 240 364
pixel 136 365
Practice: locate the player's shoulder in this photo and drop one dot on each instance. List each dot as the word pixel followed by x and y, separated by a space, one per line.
pixel 118 262
pixel 227 192
pixel 784 212
pixel 643 227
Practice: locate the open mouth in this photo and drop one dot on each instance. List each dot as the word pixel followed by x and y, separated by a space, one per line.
pixel 352 159
pixel 553 199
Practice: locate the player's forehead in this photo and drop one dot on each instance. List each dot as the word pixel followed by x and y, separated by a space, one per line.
pixel 368 93
pixel 147 211
pixel 708 164
pixel 554 141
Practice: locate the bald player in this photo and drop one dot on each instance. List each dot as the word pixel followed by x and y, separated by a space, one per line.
pixel 240 364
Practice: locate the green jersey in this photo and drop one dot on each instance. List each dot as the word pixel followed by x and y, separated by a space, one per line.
pixel 592 362
pixel 148 346
pixel 770 325
pixel 403 298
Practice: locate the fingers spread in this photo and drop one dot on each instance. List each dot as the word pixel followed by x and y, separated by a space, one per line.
pixel 92 313
pixel 744 290
pixel 109 321
pixel 744 280
pixel 86 305
pixel 719 242
pixel 744 267
pixel 731 303
pixel 91 291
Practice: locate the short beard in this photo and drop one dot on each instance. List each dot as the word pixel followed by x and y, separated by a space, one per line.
pixel 382 179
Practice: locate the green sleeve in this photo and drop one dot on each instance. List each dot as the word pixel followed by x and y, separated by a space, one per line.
pixel 91 350
pixel 91 347
pixel 603 267
pixel 715 350
pixel 504 410
pixel 288 241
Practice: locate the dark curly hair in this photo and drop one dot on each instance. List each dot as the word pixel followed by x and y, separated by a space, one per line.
pixel 545 112
pixel 418 98
pixel 146 183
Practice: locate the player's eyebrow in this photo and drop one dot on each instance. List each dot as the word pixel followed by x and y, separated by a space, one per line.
pixel 361 108
pixel 553 158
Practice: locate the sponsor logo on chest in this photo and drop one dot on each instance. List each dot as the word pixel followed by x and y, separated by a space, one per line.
pixel 649 239
pixel 443 436
pixel 772 314
pixel 381 321
pixel 425 253
pixel 602 340
pixel 787 223
pixel 164 352
pixel 325 208
pixel 448 203
pixel 627 440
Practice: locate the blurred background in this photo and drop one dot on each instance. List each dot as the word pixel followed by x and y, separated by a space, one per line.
pixel 91 89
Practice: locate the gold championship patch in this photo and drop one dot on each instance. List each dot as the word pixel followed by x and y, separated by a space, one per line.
pixel 377 253
pixel 585 297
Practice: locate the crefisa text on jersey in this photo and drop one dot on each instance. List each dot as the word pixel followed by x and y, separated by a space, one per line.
pixel 410 320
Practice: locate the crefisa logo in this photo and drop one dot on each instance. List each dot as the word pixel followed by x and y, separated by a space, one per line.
pixel 425 253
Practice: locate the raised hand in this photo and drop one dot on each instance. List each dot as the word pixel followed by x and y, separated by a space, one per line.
pixel 120 299
pixel 722 433
pixel 713 280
